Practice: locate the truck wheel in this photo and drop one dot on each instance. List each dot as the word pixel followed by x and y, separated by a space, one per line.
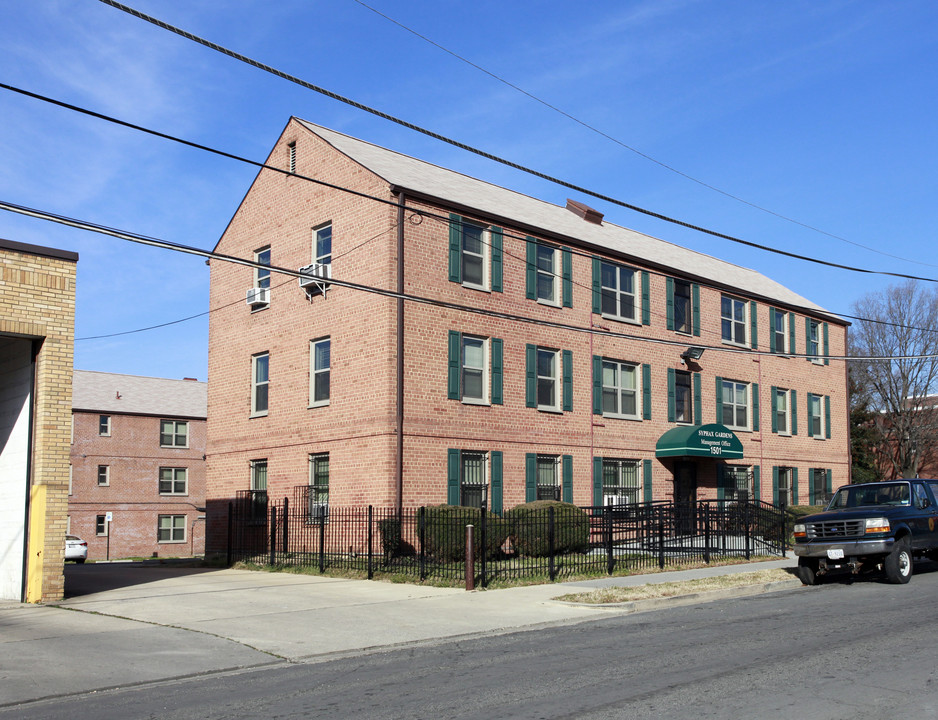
pixel 898 563
pixel 807 571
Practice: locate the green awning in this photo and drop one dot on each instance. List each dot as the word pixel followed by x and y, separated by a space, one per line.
pixel 713 441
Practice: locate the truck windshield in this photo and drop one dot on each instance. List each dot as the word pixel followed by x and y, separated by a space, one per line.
pixel 871 495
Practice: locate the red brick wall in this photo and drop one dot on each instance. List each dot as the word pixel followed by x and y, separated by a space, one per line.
pixel 134 456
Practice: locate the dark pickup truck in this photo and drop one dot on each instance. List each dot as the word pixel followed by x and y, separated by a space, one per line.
pixel 870 525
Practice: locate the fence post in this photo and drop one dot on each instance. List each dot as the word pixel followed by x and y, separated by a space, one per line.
pixel 661 543
pixel 707 533
pixel 550 542
pixel 483 543
pixel 607 527
pixel 285 546
pixel 784 531
pixel 322 543
pixel 228 558
pixel 272 513
pixel 371 572
pixel 422 536
pixel 747 519
pixel 470 558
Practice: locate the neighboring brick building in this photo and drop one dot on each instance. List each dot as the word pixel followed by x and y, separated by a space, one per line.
pixel 138 453
pixel 564 376
pixel 37 333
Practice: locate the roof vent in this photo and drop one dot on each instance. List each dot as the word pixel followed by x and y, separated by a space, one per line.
pixel 585 212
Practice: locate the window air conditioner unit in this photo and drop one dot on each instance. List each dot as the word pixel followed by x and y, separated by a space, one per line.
pixel 258 296
pixel 318 511
pixel 315 274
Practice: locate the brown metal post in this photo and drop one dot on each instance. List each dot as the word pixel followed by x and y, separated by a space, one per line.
pixel 470 559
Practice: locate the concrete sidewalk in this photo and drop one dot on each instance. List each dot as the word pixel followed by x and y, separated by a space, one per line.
pixel 134 623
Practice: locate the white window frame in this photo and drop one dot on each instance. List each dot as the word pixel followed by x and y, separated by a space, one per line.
pixel 555 379
pixel 819 399
pixel 176 424
pixel 633 492
pixel 781 336
pixel 262 276
pixel 813 342
pixel 106 475
pixel 173 481
pixel 322 258
pixel 780 394
pixel 105 422
pixel 483 458
pixel 553 274
pixel 689 315
pixel 483 371
pixel 484 256
pixel 731 323
pixel 689 405
pixel 544 461
pixel 618 368
pixel 616 292
pixel 257 384
pixel 318 372
pixel 317 507
pixel 736 405
pixel 173 529
pixel 731 494
pixel 100 521
pixel 785 477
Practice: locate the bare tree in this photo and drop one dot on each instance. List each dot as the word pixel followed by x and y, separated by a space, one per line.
pixel 901 322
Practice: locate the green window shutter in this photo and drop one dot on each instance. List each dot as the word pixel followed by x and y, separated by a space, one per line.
pixel 775 485
pixel 497 371
pixel 773 399
pixel 452 385
pixel 719 404
pixel 695 303
pixel 566 489
pixel 721 481
pixel 530 477
pixel 597 481
pixel 646 391
pixel 495 493
pixel 646 479
pixel 793 396
pixel 669 301
pixel 597 385
pixel 791 334
pixel 567 380
pixel 566 263
pixel 646 302
pixel 452 477
pixel 827 349
pixel 671 411
pixel 755 407
pixel 530 378
pixel 794 486
pixel 754 324
pixel 810 424
pixel 497 255
pixel 756 483
pixel 827 416
pixel 811 488
pixel 530 276
pixel 455 248
pixel 698 410
pixel 829 482
pixel 807 335
pixel 772 347
pixel 597 286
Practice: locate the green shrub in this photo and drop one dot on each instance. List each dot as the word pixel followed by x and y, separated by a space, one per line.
pixel 392 542
pixel 445 532
pixel 529 528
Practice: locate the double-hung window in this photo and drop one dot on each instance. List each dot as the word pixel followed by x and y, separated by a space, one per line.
pixel 782 412
pixel 257 509
pixel 780 332
pixel 171 528
pixel 320 364
pixel 733 320
pixel 104 475
pixel 174 433
pixel 173 481
pixel 735 404
pixel 472 480
pixel 682 307
pixel 813 346
pixel 475 254
pixel 104 425
pixel 474 363
pixel 548 478
pixel 100 525
pixel 260 382
pixel 549 384
pixel 620 390
pixel 549 274
pixel 322 246
pixel 785 482
pixel 820 487
pixel 621 482
pixel 318 497
pixel 548 379
pixel 619 297
pixel 736 483
pixel 475 369
pixel 819 416
pixel 683 397
pixel 262 274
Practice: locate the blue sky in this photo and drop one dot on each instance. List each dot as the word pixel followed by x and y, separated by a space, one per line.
pixel 820 112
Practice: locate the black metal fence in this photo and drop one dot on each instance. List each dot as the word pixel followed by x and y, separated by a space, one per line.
pixel 548 541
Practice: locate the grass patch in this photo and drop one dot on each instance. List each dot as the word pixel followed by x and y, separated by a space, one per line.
pixel 672 589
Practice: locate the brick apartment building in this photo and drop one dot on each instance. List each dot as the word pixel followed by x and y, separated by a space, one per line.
pixel 551 354
pixel 137 465
pixel 37 333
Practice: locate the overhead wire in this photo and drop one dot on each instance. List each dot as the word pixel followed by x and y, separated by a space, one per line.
pixel 490 156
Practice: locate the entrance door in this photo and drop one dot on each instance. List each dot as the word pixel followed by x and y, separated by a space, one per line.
pixel 685 497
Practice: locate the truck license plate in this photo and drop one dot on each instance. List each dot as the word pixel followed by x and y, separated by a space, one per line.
pixel 835 554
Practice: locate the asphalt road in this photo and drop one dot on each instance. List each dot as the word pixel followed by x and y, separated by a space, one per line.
pixel 858 650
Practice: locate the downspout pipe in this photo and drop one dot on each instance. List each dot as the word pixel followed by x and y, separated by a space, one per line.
pixel 399 499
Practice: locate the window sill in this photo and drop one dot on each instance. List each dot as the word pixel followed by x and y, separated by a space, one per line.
pixel 171 542
pixel 733 343
pixel 260 308
pixel 480 288
pixel 550 410
pixel 634 418
pixel 471 401
pixel 257 415
pixel 185 494
pixel 619 318
pixel 323 403
pixel 174 447
pixel 548 303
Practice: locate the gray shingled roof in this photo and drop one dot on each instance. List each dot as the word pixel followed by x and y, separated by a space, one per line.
pixel 114 393
pixel 450 186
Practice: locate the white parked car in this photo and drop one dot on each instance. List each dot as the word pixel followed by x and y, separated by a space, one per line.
pixel 75 549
